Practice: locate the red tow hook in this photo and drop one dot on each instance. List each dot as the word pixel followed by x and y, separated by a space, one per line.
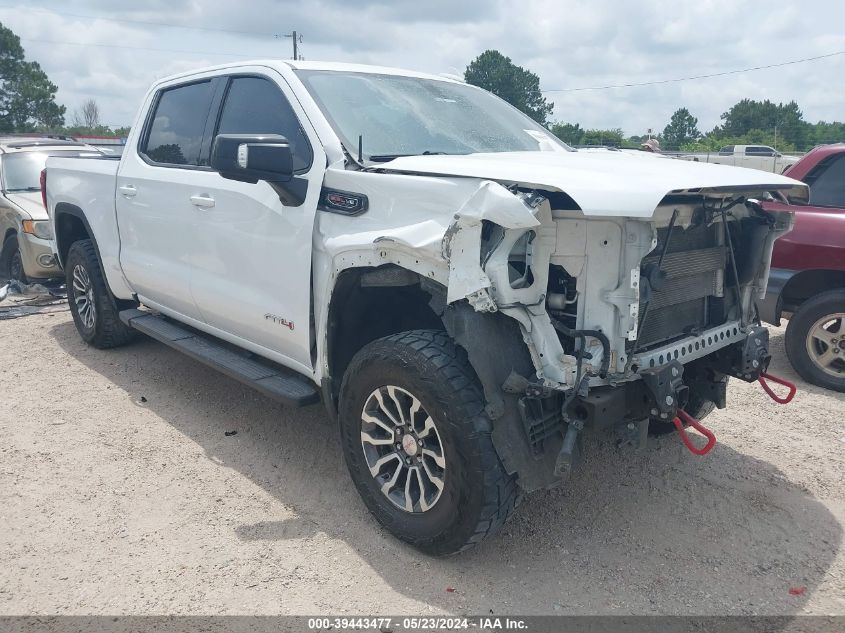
pixel 781 381
pixel 679 420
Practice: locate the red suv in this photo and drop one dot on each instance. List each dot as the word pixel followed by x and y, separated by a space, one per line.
pixel 808 272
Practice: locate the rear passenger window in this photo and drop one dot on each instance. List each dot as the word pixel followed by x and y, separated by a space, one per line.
pixel 175 135
pixel 257 106
pixel 827 183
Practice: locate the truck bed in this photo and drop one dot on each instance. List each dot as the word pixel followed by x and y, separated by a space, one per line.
pixel 88 183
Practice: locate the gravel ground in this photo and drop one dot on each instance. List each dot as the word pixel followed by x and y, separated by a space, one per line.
pixel 124 491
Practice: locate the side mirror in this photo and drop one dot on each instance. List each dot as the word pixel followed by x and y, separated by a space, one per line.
pixel 252 157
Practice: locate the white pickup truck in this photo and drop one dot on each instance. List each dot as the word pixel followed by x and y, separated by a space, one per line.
pixel 464 293
pixel 760 157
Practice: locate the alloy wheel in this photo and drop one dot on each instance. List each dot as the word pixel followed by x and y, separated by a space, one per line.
pixel 83 296
pixel 826 344
pixel 403 449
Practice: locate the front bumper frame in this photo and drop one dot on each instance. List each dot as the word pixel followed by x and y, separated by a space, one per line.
pixel 691 348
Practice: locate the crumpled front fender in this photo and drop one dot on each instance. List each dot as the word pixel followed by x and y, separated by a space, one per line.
pixel 462 241
pixel 486 285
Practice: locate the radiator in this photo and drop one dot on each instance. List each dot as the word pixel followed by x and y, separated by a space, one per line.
pixel 694 264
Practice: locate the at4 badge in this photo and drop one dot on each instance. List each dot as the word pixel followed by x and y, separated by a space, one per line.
pixel 279 320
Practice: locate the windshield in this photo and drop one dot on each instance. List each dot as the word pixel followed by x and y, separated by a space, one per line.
pixel 401 116
pixel 22 171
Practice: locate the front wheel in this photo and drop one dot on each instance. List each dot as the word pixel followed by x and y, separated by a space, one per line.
pixel 94 309
pixel 417 443
pixel 12 263
pixel 815 340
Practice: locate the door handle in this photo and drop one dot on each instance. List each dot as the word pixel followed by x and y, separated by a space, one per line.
pixel 128 191
pixel 203 202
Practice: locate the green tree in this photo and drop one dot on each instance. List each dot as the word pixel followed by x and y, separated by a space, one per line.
pixel 768 116
pixel 681 130
pixel 520 87
pixel 637 140
pixel 27 96
pixel 571 133
pixel 607 138
pixel 824 132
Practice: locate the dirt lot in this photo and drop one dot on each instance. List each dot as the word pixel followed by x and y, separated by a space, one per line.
pixel 121 493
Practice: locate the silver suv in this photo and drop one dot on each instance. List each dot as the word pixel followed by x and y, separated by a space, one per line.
pixel 25 250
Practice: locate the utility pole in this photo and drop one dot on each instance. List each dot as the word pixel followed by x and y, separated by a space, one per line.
pixel 296 40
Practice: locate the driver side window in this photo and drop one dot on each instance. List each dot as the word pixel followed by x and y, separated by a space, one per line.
pixel 255 105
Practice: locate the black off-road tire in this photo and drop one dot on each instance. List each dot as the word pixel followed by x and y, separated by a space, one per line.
pixel 107 330
pixel 698 407
pixel 11 264
pixel 797 330
pixel 478 494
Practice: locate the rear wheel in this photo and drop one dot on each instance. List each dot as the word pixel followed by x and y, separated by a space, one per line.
pixel 93 307
pixel 417 443
pixel 815 340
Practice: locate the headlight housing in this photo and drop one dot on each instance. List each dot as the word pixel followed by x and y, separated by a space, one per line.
pixel 38 228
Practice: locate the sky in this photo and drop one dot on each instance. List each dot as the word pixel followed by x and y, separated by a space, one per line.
pixel 568 44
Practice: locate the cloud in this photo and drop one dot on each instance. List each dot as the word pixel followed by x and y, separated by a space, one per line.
pixel 569 45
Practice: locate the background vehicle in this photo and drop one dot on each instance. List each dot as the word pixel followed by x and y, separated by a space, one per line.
pixel 25 251
pixel 464 292
pixel 807 280
pixel 752 156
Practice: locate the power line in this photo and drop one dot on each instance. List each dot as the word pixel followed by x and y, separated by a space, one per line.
pixel 675 80
pixel 141 22
pixel 139 48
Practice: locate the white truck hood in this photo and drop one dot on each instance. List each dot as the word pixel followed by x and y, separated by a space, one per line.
pixel 601 183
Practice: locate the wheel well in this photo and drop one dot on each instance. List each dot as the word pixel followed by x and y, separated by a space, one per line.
pixel 9 233
pixel 370 303
pixel 70 228
pixel 809 283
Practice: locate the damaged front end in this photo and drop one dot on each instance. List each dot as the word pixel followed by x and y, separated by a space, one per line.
pixel 576 321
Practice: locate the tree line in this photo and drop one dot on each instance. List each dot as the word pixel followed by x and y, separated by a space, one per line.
pixel 28 104
pixel 748 122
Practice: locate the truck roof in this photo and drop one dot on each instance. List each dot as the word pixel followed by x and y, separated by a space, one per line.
pixel 739 147
pixel 812 158
pixel 316 65
pixel 826 150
